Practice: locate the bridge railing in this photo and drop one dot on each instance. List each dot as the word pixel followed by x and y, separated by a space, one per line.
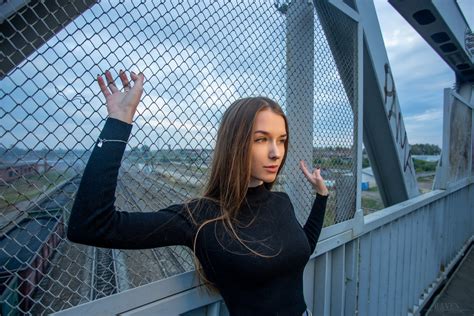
pixel 386 263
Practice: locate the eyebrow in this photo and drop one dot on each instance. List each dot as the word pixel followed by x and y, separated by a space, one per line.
pixel 267 133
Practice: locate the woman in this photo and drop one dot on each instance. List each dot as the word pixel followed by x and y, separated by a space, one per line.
pixel 248 242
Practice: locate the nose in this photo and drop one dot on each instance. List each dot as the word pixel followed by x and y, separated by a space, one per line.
pixel 275 152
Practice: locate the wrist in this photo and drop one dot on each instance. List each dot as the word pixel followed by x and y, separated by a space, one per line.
pixel 127 118
pixel 322 192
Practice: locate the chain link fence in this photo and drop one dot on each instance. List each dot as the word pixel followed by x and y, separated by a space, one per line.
pixel 197 58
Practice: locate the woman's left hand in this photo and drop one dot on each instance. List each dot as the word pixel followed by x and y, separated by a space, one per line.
pixel 315 179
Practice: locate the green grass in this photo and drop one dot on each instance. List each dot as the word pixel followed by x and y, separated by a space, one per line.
pixel 329 218
pixel 29 187
pixel 424 166
pixel 328 163
pixel 371 204
pixel 426 179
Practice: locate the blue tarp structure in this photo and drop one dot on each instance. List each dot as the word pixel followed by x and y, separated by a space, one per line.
pixel 20 245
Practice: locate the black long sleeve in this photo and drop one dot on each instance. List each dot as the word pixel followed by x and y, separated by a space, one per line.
pixel 314 223
pixel 94 219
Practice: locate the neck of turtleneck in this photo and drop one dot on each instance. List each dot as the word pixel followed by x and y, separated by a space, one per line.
pixel 257 195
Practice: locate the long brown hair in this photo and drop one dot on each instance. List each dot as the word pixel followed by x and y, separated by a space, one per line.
pixel 230 174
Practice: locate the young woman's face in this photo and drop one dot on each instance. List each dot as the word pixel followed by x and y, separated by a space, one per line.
pixel 268 147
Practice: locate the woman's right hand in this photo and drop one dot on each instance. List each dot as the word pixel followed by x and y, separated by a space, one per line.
pixel 315 179
pixel 122 105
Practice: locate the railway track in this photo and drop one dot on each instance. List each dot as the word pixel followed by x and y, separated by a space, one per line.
pixel 99 272
pixel 49 203
pixel 166 258
pixel 64 260
pixel 104 276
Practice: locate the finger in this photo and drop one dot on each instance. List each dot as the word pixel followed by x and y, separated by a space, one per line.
pixel 134 76
pixel 110 82
pixel 140 79
pixel 125 81
pixel 137 80
pixel 305 170
pixel 102 86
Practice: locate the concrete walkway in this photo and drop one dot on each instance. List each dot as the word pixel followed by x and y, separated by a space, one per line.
pixel 457 297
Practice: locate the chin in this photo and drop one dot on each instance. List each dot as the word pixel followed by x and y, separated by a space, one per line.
pixel 269 179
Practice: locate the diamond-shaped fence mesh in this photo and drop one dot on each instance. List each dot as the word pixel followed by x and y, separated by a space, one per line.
pixel 197 58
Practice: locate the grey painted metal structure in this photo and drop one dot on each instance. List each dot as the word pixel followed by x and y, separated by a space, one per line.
pixel 343 33
pixel 422 235
pixel 443 26
pixel 457 149
pixel 300 97
pixel 34 26
pixel 385 137
pixel 387 263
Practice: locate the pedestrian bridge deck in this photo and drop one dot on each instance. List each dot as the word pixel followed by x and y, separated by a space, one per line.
pixel 456 297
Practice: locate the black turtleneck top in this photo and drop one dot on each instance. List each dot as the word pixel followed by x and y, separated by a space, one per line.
pixel 249 284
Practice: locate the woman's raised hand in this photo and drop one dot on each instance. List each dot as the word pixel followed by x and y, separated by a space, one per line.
pixel 122 105
pixel 315 179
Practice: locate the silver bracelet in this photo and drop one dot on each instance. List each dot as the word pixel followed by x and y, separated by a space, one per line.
pixel 103 140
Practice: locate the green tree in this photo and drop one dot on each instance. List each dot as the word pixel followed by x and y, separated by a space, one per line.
pixel 425 149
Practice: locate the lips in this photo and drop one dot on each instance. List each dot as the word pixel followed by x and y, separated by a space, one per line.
pixel 272 168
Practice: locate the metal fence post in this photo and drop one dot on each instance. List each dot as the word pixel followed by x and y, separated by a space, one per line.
pixel 300 94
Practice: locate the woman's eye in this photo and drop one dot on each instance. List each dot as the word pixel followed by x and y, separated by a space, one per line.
pixel 260 140
pixel 282 141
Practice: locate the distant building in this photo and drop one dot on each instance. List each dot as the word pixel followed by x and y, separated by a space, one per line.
pixel 10 172
pixel 368 177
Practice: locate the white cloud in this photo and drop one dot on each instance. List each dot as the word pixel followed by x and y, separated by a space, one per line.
pixel 426 117
pixel 425 127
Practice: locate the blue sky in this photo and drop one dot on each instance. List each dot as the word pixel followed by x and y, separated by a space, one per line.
pixel 192 76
